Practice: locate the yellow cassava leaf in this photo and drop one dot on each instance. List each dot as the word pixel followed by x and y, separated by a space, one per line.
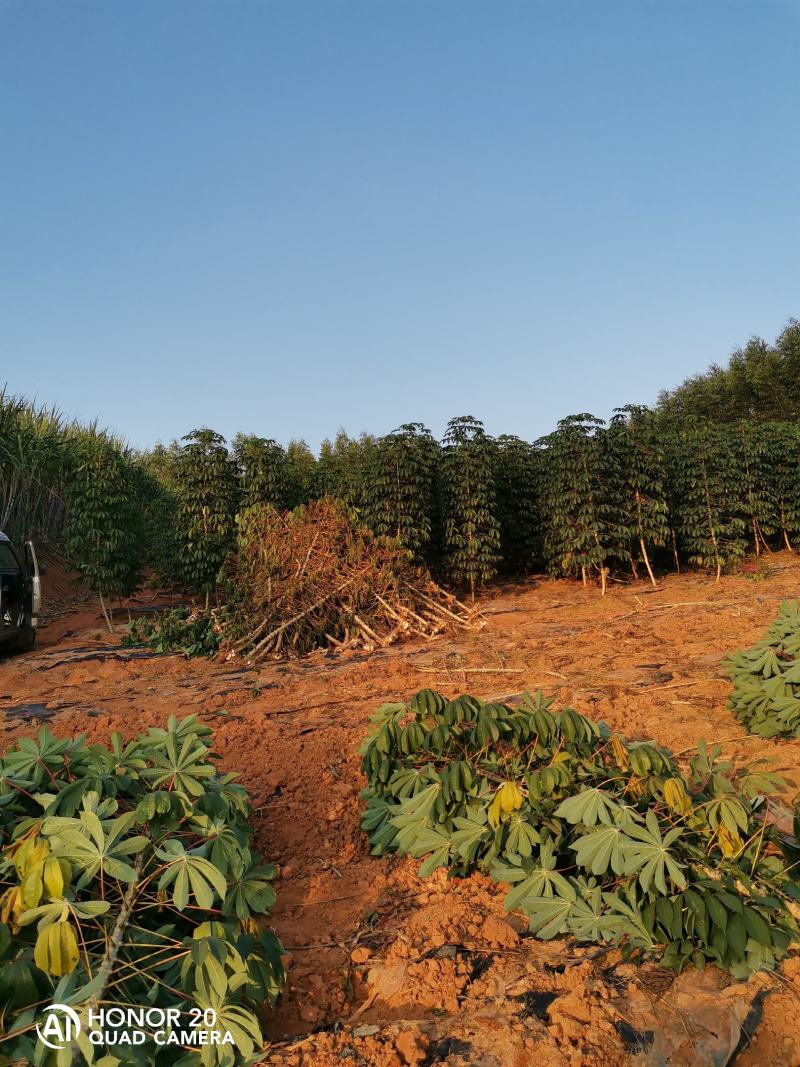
pixel 729 843
pixel 676 796
pixel 53 878
pixel 56 950
pixel 620 752
pixel 31 886
pixel 635 787
pixel 508 798
pixel 31 854
pixel 10 905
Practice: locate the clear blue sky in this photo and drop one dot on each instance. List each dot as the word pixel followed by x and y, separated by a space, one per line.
pixel 287 217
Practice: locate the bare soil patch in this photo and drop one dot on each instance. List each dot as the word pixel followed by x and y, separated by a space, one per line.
pixel 387 969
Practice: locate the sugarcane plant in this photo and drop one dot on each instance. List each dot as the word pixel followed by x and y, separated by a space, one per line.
pixel 471 531
pixel 599 838
pixel 128 878
pixel 34 471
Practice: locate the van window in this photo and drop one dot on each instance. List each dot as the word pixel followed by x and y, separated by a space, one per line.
pixel 8 561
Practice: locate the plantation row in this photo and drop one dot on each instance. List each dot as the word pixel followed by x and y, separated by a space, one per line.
pixel 586 500
pixel 646 490
pixel 582 501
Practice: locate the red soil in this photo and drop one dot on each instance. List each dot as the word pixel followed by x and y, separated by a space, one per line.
pixel 434 971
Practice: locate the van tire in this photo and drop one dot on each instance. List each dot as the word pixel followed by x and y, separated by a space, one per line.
pixel 26 642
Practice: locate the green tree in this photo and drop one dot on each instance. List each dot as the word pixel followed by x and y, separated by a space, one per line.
pixel 207 494
pixel 471 529
pixel 343 467
pixel 761 381
pixel 104 529
pixel 302 465
pixel 399 494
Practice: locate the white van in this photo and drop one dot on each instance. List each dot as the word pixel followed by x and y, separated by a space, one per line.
pixel 20 595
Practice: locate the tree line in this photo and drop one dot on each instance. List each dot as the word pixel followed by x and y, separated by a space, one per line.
pixel 649 490
pixel 760 381
pixel 639 494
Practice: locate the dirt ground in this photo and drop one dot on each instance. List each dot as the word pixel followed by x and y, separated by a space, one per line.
pixel 389 970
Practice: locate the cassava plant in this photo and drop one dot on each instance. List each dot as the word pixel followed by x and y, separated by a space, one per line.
pixel 575 505
pixel 752 443
pixel 179 630
pixel 784 458
pixel 632 442
pixel 471 529
pixel 104 529
pixel 264 472
pixel 600 838
pixel 618 503
pixel 208 498
pixel 766 678
pixel 516 483
pixel 128 879
pixel 707 495
pixel 161 512
pixel 399 496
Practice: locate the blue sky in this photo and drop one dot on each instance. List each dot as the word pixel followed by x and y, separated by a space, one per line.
pixel 287 217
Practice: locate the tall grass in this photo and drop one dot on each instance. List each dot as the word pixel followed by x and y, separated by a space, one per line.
pixel 39 453
pixel 33 466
